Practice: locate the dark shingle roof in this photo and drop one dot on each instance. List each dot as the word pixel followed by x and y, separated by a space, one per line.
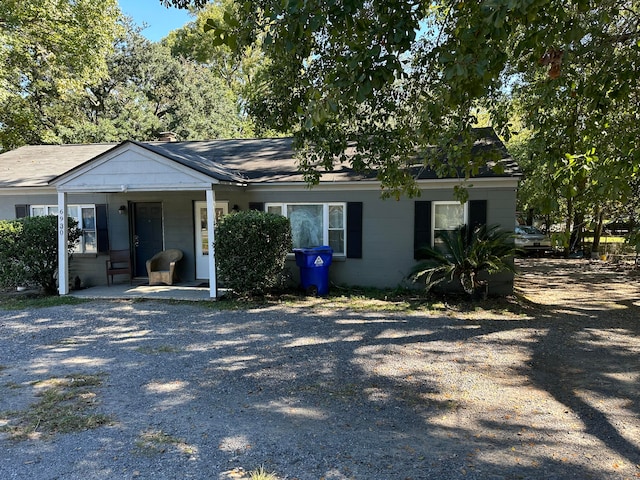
pixel 36 165
pixel 488 148
pixel 269 160
pixel 246 160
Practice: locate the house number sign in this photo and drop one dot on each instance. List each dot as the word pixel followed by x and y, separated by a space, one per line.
pixel 61 222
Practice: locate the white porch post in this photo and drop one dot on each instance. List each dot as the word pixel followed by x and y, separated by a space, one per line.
pixel 211 218
pixel 63 244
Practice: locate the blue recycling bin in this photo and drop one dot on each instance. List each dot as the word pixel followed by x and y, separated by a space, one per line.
pixel 314 265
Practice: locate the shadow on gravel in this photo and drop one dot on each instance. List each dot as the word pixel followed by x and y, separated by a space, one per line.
pixel 308 394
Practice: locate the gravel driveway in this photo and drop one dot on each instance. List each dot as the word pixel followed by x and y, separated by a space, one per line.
pixel 308 392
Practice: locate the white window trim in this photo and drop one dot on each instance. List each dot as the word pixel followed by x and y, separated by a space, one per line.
pixel 465 219
pixel 325 219
pixel 80 248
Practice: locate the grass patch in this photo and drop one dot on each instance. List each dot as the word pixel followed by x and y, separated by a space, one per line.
pixel 377 300
pixel 261 473
pixel 154 442
pixel 65 405
pixel 9 301
pixel 395 300
pixel 354 298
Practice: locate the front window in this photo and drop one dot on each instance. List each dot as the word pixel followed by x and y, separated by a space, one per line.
pixel 85 215
pixel 447 217
pixel 42 210
pixel 315 224
pixel 336 228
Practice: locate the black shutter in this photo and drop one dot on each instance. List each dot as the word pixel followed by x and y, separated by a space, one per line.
pixel 102 229
pixel 22 211
pixel 421 227
pixel 354 230
pixel 256 206
pixel 477 214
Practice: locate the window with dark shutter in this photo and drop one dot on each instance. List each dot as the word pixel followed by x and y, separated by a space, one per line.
pixel 316 224
pixel 477 214
pixel 22 211
pixel 421 226
pixel 354 230
pixel 256 206
pixel 102 229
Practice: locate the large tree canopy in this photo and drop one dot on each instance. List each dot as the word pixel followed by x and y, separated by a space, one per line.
pixel 147 91
pixel 394 77
pixel 49 50
pixel 77 71
pixel 238 69
pixel 193 43
pixel 582 111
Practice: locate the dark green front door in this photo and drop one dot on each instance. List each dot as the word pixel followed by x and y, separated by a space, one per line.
pixel 147 234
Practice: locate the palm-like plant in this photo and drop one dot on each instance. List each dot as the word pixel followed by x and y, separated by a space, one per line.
pixel 465 256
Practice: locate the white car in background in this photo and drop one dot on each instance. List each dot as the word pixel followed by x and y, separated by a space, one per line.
pixel 530 239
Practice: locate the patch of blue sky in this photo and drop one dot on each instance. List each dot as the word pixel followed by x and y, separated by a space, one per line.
pixel 156 19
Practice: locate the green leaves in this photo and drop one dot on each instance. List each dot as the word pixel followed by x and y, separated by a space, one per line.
pixel 29 249
pixel 51 50
pixel 578 162
pixel 405 77
pixel 251 249
pixel 223 35
pixel 465 255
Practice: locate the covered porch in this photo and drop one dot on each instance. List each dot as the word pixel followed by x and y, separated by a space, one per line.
pixel 130 169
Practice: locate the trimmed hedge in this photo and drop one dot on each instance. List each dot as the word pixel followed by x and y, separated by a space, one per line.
pixel 251 249
pixel 29 251
pixel 11 270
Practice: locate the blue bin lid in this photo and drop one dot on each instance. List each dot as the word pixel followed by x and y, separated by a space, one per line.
pixel 322 249
pixel 314 250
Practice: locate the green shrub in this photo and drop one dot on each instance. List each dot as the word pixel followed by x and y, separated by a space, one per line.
pixel 465 257
pixel 10 269
pixel 29 248
pixel 251 249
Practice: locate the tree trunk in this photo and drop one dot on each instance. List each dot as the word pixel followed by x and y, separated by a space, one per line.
pixel 567 227
pixel 597 233
pixel 577 233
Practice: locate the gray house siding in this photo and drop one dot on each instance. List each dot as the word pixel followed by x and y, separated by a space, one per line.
pixel 90 270
pixel 177 209
pixel 388 231
pixel 246 174
pixel 8 202
pixel 501 210
pixel 387 228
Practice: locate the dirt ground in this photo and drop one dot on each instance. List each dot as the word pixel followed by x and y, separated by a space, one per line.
pixel 589 314
pixel 577 285
pixel 542 386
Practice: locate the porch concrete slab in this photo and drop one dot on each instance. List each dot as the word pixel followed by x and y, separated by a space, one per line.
pixel 158 292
